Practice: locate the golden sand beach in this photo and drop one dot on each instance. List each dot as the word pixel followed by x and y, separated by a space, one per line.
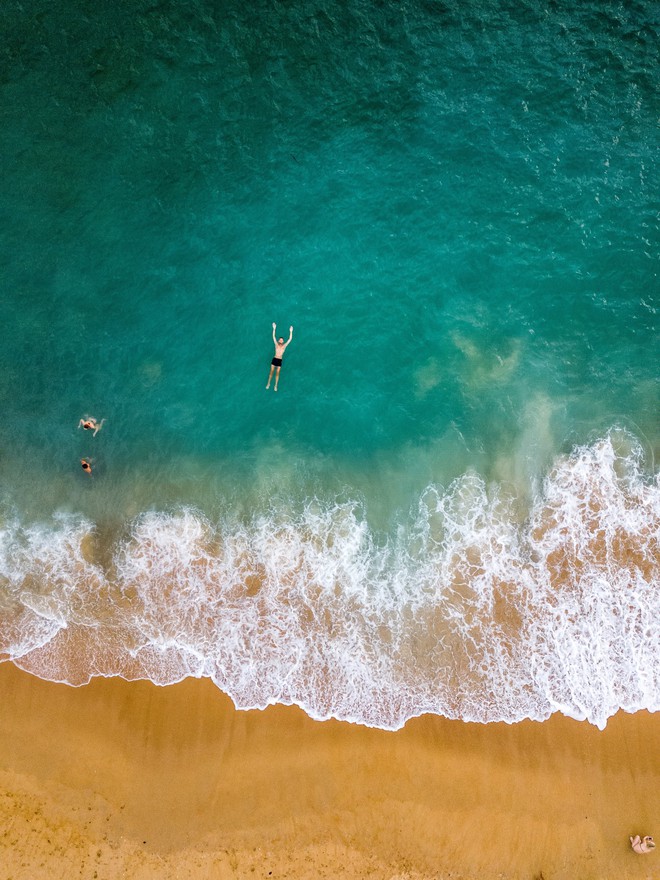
pixel 128 780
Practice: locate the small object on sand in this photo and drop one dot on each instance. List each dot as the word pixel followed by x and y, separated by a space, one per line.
pixel 642 845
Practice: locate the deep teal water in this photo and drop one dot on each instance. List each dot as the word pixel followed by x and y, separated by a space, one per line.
pixel 455 205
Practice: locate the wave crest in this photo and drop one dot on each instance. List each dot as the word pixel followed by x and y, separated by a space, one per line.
pixel 468 612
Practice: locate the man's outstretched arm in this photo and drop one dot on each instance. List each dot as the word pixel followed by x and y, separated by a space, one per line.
pixel 274 329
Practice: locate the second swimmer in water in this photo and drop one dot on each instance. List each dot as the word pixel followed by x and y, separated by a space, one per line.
pixel 89 423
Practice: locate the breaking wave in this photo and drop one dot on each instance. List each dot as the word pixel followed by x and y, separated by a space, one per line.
pixel 467 612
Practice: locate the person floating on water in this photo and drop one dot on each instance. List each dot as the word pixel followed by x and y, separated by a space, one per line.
pixel 642 845
pixel 86 465
pixel 276 363
pixel 89 423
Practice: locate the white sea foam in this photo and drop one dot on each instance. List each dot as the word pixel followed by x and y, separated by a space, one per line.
pixel 467 612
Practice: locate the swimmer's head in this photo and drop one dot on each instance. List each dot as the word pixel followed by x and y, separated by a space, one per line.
pixel 281 340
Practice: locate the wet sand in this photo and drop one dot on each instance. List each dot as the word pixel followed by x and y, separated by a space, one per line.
pixel 121 779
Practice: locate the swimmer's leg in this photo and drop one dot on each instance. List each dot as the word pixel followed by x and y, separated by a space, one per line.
pixel 277 377
pixel 270 376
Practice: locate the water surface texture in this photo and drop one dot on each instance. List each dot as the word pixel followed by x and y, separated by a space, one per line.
pixel 452 502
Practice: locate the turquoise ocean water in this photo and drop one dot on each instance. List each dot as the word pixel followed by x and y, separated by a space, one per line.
pixel 452 503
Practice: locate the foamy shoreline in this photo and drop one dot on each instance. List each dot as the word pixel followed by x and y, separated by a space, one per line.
pixel 466 613
pixel 128 779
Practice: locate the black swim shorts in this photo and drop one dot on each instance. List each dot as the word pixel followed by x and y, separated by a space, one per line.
pixel 276 362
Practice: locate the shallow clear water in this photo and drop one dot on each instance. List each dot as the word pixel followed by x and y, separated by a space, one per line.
pixel 457 209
